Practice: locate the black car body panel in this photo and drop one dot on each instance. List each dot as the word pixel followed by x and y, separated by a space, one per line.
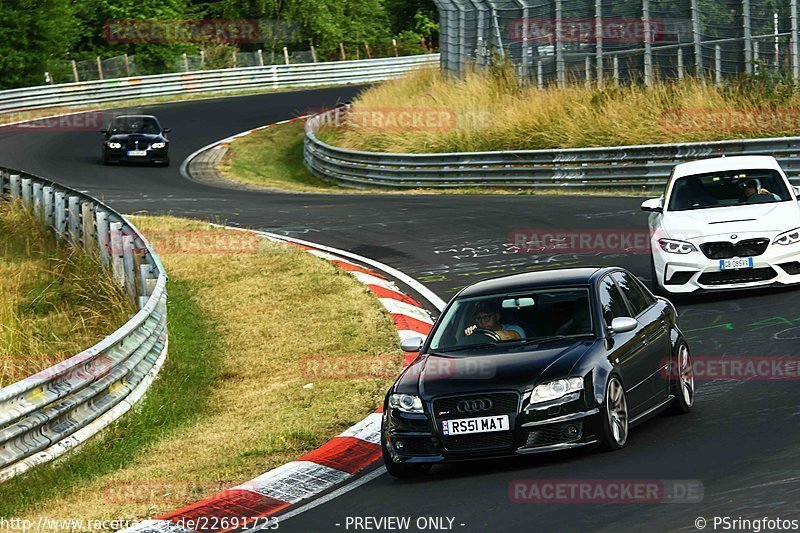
pixel 506 374
pixel 135 139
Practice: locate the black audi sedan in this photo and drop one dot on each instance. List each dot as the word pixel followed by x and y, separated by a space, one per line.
pixel 533 363
pixel 135 139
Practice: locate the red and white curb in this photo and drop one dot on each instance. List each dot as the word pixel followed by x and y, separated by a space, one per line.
pixel 338 460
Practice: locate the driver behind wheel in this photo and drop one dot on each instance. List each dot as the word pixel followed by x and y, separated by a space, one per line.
pixel 751 194
pixel 487 316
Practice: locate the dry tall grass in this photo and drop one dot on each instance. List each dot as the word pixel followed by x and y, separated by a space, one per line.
pixel 54 301
pixel 493 112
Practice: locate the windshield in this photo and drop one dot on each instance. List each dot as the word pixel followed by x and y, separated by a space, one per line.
pixel 524 316
pixel 729 188
pixel 135 125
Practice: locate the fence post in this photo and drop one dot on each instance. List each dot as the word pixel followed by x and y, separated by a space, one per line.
pixel 313 54
pixel 117 261
pixel 341 50
pixel 526 46
pixel 185 62
pixel 129 264
pixel 99 68
pixel 26 192
pixel 718 64
pixel 394 45
pixel 16 186
pixel 616 70
pixel 755 57
pixel 698 49
pixel 680 63
pixel 560 71
pixel 540 74
pixel 648 44
pixel 47 205
pixel 38 201
pixel 748 37
pixel 260 54
pixel 794 44
pixel 101 219
pixel 74 216
pixel 202 59
pixel 598 29
pixel 61 214
pixel 285 55
pixel 87 221
pixel 127 65
pixel 587 62
pixel 235 58
pixel 75 71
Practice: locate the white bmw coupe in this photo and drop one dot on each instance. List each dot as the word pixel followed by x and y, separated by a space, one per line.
pixel 725 223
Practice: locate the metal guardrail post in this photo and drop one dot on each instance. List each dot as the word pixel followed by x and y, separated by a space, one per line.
pixel 38 200
pixel 60 214
pixel 128 262
pixel 615 66
pixel 103 237
pixel 26 191
pixel 680 63
pixel 48 207
pixel 87 221
pixel 718 64
pixel 16 186
pixel 540 74
pixel 74 218
pixel 117 254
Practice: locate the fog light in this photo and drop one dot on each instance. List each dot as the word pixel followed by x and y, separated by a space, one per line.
pixel 399 445
pixel 571 431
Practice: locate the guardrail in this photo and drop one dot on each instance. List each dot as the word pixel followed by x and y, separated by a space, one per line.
pixel 206 81
pixel 642 166
pixel 45 415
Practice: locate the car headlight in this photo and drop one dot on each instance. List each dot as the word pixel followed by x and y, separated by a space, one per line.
pixel 115 146
pixel 672 246
pixel 406 403
pixel 547 392
pixel 788 237
pixel 158 145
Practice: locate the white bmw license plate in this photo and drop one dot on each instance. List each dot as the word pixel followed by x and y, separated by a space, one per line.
pixel 483 424
pixel 137 153
pixel 736 264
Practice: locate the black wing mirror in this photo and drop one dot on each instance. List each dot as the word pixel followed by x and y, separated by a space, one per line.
pixel 167 130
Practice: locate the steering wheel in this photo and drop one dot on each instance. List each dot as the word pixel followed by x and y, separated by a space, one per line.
pixel 491 334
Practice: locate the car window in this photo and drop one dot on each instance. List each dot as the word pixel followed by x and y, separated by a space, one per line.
pixel 639 299
pixel 135 125
pixel 611 301
pixel 728 188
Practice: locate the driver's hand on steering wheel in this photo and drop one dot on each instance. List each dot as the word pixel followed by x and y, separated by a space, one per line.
pixel 470 330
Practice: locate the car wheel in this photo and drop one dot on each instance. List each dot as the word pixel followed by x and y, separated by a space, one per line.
pixel 615 416
pixel 684 385
pixel 400 470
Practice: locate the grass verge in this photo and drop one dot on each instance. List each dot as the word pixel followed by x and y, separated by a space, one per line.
pixel 55 301
pixel 272 352
pixel 490 110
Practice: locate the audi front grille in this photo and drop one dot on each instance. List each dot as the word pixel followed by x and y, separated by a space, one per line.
pixel 474 406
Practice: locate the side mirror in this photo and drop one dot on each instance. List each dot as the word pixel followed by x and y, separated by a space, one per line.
pixel 623 324
pixel 412 344
pixel 104 132
pixel 167 130
pixel 796 190
pixel 653 205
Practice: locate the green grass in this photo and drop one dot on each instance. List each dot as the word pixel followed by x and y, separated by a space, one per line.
pixel 177 399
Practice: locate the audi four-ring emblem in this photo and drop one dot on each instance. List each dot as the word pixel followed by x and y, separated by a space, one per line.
pixel 474 406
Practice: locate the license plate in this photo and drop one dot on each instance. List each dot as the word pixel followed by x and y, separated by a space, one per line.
pixel 483 424
pixel 134 153
pixel 736 264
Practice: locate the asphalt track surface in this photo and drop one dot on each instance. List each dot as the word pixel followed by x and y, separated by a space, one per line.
pixel 741 441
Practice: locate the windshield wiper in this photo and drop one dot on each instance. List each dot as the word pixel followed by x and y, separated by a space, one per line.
pixel 462 348
pixel 542 340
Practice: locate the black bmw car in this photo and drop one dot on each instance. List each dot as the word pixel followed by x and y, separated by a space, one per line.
pixel 135 139
pixel 533 363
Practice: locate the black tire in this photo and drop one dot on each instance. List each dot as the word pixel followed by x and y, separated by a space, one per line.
pixel 614 413
pixel 684 383
pixel 163 163
pixel 400 470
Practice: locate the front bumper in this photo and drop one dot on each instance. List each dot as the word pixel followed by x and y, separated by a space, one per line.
pixel 417 438
pixel 694 272
pixel 160 155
